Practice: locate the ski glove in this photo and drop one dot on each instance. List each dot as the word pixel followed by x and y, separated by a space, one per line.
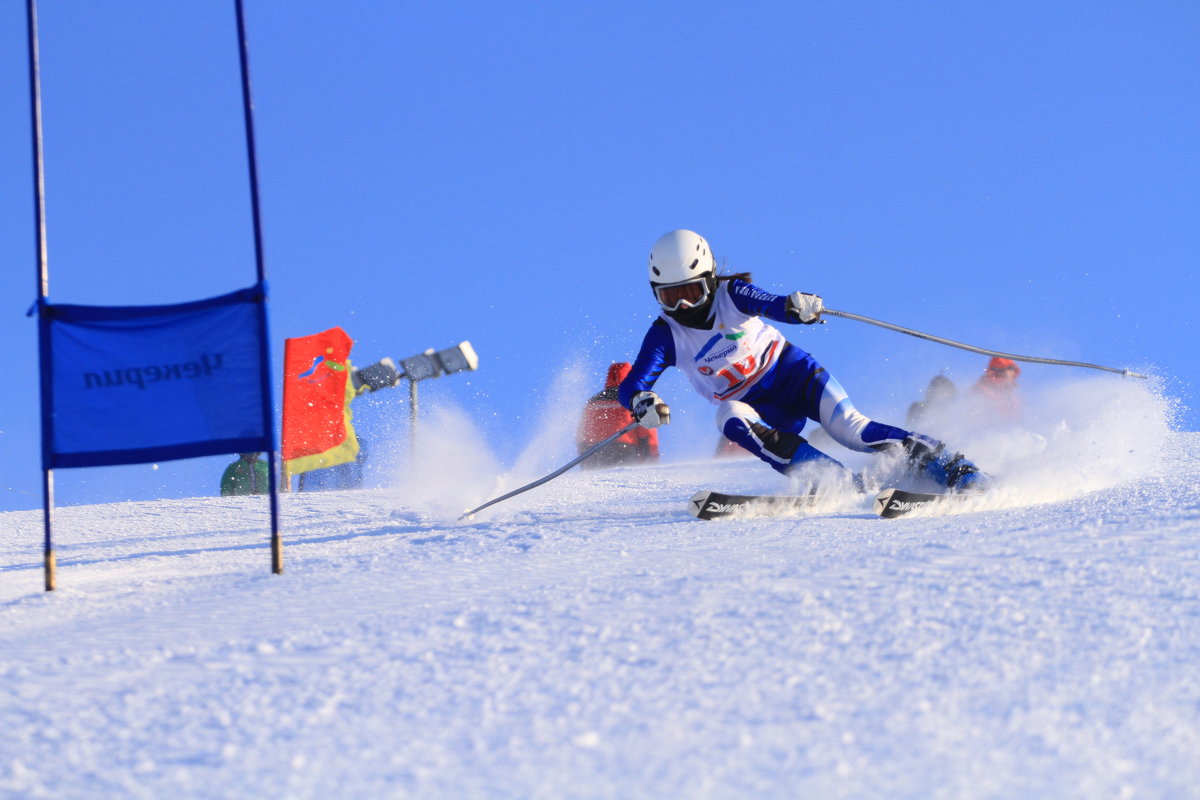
pixel 804 308
pixel 649 410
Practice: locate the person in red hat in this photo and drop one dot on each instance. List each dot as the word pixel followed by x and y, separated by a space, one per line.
pixel 998 386
pixel 603 415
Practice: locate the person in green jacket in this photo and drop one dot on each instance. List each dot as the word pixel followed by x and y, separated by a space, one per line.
pixel 247 475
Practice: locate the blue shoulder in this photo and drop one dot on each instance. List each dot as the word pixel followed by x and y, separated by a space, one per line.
pixel 758 302
pixel 656 354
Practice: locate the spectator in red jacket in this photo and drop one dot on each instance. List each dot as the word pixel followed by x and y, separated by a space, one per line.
pixel 603 415
pixel 998 386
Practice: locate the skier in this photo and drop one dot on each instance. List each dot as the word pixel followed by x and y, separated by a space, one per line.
pixel 764 387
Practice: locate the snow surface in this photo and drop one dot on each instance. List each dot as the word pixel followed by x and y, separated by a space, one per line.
pixel 590 639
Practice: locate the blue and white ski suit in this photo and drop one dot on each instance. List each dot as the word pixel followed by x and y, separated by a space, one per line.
pixel 745 367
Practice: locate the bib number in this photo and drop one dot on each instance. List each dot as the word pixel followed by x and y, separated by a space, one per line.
pixel 743 370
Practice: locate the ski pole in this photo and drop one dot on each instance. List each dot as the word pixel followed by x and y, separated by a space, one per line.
pixel 554 474
pixel 981 350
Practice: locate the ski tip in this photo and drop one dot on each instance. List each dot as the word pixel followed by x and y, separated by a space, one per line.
pixel 892 503
pixel 882 499
pixel 698 501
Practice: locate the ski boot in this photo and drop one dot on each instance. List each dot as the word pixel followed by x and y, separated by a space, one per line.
pixel 930 458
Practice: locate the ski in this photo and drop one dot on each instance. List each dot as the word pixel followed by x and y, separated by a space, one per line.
pixel 889 504
pixel 707 504
pixel 892 503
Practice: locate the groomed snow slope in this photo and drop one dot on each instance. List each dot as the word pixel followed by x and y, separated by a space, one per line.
pixel 590 639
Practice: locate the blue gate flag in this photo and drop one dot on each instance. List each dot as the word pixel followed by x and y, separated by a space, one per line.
pixel 133 384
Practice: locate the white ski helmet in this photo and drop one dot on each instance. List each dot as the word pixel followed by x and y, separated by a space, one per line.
pixel 682 270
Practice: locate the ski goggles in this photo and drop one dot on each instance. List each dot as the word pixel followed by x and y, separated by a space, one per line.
pixel 685 294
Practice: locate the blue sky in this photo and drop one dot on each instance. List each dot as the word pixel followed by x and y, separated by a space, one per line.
pixel 1019 175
